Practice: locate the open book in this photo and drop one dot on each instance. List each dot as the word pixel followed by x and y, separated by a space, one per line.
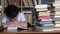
pixel 14 27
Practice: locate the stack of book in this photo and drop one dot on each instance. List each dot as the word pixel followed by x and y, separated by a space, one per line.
pixel 57 15
pixel 46 23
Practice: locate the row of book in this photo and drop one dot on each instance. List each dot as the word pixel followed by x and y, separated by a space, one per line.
pixel 35 2
pixel 56 4
pixel 14 2
pixel 27 3
pixel 47 23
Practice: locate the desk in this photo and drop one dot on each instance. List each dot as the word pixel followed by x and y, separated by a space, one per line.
pixel 29 31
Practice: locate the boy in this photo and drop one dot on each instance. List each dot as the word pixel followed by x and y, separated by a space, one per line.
pixel 12 17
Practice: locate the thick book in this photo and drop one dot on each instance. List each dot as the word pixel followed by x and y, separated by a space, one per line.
pixel 27 8
pixel 46 22
pixel 57 16
pixel 57 22
pixel 44 17
pixel 44 28
pixel 57 9
pixel 48 30
pixel 27 12
pixel 56 19
pixel 57 0
pixel 44 9
pixel 44 25
pixel 56 4
pixel 57 12
pixel 57 28
pixel 41 6
pixel 44 13
pixel 57 25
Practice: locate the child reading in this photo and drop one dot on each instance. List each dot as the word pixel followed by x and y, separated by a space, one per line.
pixel 13 17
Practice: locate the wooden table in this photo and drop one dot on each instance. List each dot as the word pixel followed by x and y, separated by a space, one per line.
pixel 29 31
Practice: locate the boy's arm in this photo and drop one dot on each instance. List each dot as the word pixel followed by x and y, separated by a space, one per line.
pixel 21 24
pixel 6 25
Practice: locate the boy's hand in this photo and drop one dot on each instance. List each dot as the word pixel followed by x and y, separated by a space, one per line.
pixel 21 25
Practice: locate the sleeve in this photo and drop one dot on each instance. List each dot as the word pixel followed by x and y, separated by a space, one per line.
pixel 4 19
pixel 21 17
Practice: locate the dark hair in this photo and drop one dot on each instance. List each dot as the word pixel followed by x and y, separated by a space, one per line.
pixel 11 11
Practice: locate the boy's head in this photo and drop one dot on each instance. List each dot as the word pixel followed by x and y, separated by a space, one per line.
pixel 11 11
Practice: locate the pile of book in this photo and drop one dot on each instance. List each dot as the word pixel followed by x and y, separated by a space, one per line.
pixel 45 23
pixel 57 15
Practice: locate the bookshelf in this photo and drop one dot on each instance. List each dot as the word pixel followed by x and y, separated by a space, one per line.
pixel 1 9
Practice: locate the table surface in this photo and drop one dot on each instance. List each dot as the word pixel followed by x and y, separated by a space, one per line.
pixel 30 30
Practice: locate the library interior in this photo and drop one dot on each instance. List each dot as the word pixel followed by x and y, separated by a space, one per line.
pixel 41 16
